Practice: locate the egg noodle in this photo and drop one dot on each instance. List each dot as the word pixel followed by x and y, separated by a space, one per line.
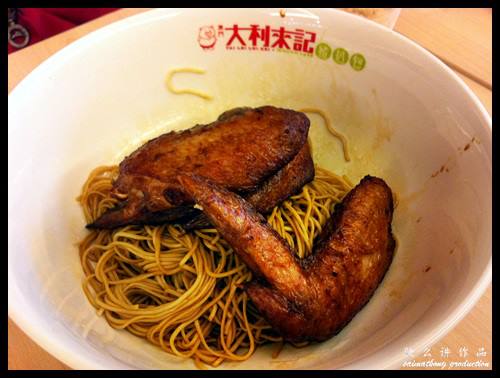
pixel 184 291
pixel 335 133
pixel 193 92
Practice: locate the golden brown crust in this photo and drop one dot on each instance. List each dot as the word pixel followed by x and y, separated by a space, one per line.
pixel 239 151
pixel 275 190
pixel 285 183
pixel 260 247
pixel 315 298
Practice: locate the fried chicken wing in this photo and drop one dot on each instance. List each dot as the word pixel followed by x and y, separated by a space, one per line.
pixel 288 181
pixel 239 151
pixel 314 298
pixel 285 183
pixel 248 232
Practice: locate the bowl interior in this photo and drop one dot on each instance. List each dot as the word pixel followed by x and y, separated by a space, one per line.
pixel 407 119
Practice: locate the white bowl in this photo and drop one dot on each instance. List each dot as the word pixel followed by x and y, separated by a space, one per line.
pixel 405 113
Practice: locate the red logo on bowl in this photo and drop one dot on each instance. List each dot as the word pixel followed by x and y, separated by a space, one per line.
pixel 207 37
pixel 289 40
pixel 258 37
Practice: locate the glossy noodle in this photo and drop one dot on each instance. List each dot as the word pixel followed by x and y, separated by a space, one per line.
pixel 335 133
pixel 183 291
pixel 193 92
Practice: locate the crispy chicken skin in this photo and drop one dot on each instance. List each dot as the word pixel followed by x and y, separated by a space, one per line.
pixel 285 183
pixel 288 181
pixel 314 298
pixel 239 151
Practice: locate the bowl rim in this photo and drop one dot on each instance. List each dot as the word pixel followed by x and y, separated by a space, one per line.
pixel 57 347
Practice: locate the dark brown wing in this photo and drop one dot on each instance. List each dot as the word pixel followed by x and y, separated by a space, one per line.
pixel 288 181
pixel 260 247
pixel 285 183
pixel 316 299
pixel 351 256
pixel 239 151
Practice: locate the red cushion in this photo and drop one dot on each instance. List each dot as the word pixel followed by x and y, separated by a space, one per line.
pixel 43 23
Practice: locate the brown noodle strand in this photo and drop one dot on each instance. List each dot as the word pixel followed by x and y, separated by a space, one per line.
pixel 183 291
pixel 332 131
pixel 193 92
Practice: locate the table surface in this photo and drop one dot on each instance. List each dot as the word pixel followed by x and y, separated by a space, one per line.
pixel 462 38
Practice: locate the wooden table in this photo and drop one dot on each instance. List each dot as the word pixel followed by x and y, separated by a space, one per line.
pixel 462 38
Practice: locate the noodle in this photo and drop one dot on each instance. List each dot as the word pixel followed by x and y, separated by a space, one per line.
pixel 330 128
pixel 193 92
pixel 183 291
